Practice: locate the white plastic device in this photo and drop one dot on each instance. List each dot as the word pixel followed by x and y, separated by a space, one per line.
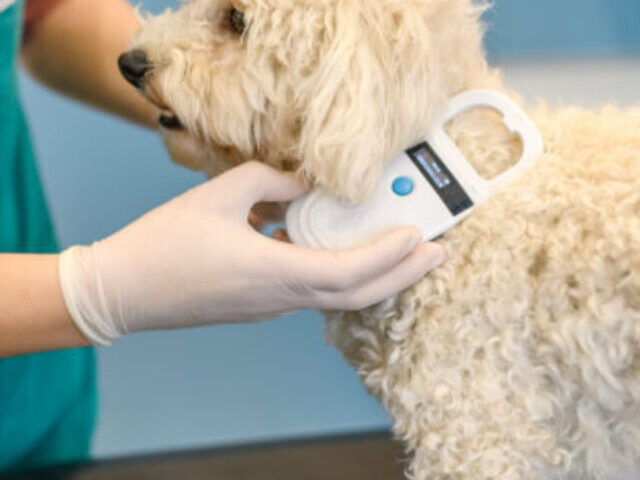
pixel 431 185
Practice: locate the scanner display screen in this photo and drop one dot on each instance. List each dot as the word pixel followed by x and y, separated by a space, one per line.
pixel 433 168
pixel 440 178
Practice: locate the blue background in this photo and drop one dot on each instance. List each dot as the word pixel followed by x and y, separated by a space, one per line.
pixel 557 28
pixel 238 384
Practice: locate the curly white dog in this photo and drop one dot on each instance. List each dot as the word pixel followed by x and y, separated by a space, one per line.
pixel 520 357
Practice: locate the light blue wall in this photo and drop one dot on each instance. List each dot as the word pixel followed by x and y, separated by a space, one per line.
pixel 236 384
pixel 563 27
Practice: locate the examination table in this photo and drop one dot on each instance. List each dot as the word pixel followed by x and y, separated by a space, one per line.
pixel 371 457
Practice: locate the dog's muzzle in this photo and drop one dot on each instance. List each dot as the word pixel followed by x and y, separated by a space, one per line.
pixel 134 66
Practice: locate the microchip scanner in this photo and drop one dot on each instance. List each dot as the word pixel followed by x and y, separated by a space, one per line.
pixel 431 185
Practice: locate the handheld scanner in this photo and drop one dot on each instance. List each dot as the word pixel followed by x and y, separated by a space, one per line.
pixel 431 185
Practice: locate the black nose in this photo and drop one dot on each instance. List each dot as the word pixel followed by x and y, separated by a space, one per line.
pixel 134 65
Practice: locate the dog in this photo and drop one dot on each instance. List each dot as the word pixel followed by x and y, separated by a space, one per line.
pixel 519 358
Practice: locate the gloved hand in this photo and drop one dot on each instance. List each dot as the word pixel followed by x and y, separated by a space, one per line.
pixel 196 261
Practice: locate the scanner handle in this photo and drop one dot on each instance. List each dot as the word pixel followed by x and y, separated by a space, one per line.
pixel 514 118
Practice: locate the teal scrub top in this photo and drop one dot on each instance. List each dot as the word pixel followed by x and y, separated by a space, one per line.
pixel 47 401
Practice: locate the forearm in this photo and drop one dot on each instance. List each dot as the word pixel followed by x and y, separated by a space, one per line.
pixel 33 315
pixel 75 50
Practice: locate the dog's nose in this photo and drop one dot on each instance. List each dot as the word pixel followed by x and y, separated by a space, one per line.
pixel 134 65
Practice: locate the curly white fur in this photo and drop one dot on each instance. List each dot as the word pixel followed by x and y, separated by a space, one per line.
pixel 520 357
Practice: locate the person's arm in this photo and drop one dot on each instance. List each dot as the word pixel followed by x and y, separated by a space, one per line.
pixel 192 262
pixel 33 316
pixel 75 48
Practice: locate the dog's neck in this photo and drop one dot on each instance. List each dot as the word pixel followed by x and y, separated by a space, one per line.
pixel 480 134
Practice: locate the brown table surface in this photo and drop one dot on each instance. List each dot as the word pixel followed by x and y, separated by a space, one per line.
pixel 368 457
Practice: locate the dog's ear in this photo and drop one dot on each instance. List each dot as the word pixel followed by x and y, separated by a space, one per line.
pixel 344 142
pixel 381 71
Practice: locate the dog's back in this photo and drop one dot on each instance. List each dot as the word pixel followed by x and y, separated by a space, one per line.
pixel 520 357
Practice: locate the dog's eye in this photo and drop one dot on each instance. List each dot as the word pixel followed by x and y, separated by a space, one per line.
pixel 237 20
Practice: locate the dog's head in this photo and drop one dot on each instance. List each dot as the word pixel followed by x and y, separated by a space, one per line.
pixel 333 88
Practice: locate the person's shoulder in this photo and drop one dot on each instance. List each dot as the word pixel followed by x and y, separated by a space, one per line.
pixel 35 12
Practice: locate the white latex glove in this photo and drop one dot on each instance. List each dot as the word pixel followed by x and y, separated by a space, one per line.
pixel 196 261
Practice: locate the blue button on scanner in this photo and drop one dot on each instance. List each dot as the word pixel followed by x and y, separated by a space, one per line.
pixel 402 186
